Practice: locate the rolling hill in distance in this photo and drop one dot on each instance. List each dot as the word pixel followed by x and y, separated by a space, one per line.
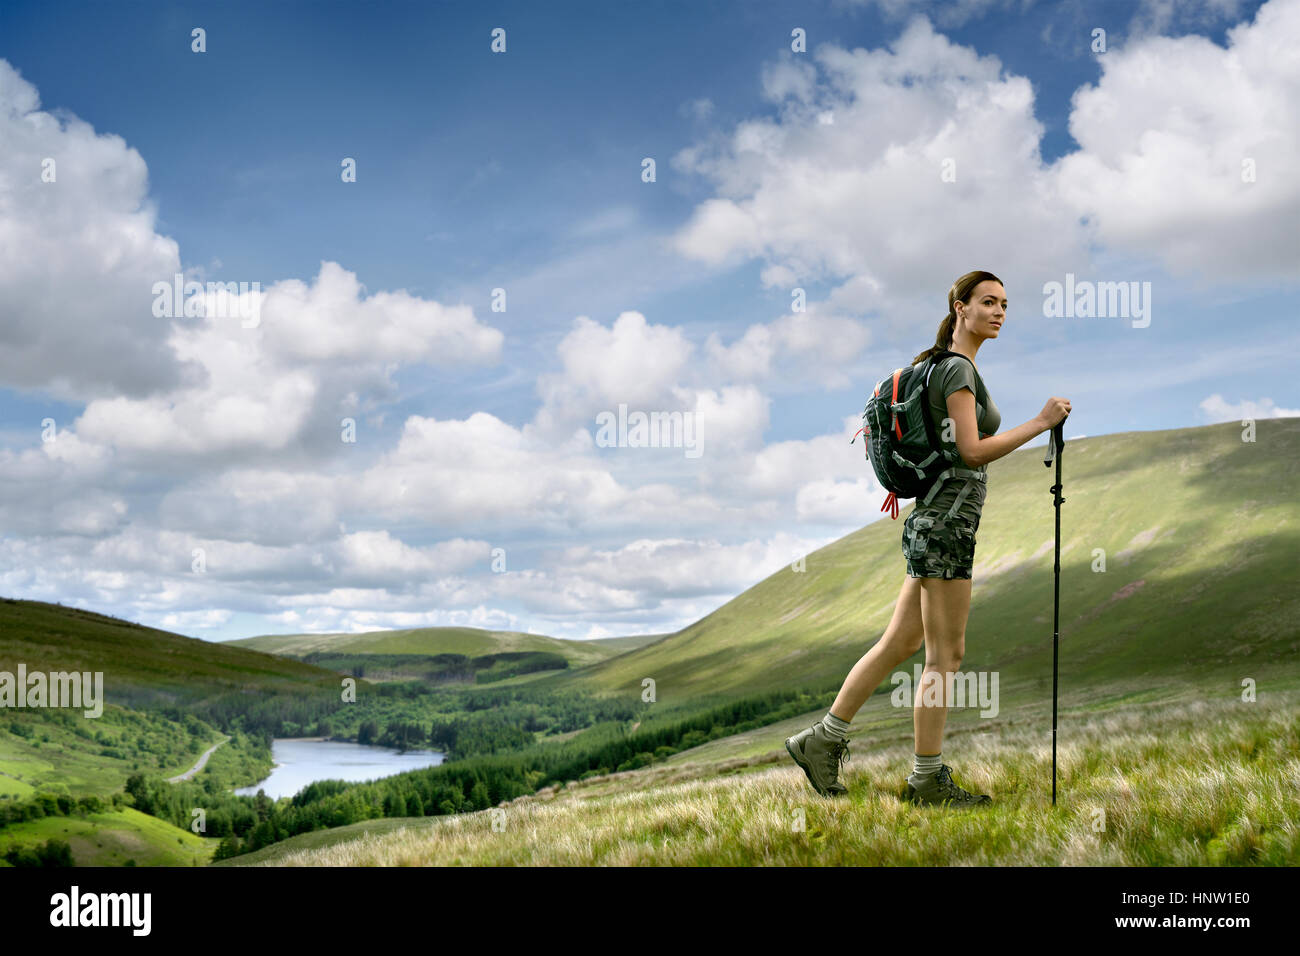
pixel 470 641
pixel 140 664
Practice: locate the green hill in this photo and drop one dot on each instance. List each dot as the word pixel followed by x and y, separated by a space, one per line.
pixel 470 641
pixel 141 665
pixel 1199 531
pixel 629 643
pixel 112 838
pixel 161 691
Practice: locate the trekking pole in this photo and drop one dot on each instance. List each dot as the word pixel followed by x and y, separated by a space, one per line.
pixel 1055 445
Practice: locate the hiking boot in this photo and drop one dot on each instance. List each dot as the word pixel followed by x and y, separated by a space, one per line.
pixel 820 755
pixel 939 789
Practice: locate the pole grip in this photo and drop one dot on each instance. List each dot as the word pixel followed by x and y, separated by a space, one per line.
pixel 1055 442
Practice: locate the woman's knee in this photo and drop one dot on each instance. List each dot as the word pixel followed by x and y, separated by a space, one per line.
pixel 948 661
pixel 949 649
pixel 901 646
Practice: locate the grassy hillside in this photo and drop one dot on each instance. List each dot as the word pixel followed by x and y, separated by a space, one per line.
pixel 319 839
pixel 470 641
pixel 1156 783
pixel 1199 531
pixel 628 643
pixel 60 751
pixel 154 684
pixel 113 838
pixel 141 665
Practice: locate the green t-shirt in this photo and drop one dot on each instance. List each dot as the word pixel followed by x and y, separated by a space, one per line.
pixel 948 376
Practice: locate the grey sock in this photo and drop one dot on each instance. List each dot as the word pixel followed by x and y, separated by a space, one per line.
pixel 926 766
pixel 836 727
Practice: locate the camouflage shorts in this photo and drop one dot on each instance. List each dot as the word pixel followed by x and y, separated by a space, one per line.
pixel 937 546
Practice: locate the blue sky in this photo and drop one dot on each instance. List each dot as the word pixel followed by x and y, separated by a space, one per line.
pixel 521 170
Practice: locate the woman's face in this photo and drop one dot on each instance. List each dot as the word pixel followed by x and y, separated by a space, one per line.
pixel 987 310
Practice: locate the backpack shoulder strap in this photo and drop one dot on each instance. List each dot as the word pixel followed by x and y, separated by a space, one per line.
pixel 938 357
pixel 931 433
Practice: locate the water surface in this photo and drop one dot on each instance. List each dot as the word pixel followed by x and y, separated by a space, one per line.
pixel 300 762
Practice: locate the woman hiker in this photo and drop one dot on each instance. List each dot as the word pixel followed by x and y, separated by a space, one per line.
pixel 939 547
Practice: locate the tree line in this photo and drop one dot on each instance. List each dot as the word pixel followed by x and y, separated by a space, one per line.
pixel 438 668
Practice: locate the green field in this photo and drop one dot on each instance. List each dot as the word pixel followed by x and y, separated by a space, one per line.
pixel 74 755
pixel 111 839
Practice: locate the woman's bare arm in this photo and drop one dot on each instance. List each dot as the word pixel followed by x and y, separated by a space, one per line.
pixel 976 451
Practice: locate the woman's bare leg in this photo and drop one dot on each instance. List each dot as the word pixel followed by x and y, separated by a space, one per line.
pixel 945 606
pixel 902 638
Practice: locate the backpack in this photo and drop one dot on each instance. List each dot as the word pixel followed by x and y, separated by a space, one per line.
pixel 901 441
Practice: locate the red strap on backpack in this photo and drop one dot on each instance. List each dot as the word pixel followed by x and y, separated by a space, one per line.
pixel 898 431
pixel 891 502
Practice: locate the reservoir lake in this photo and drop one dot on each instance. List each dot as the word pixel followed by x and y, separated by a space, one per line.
pixel 300 762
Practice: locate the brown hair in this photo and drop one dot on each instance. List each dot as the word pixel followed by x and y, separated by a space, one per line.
pixel 962 289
